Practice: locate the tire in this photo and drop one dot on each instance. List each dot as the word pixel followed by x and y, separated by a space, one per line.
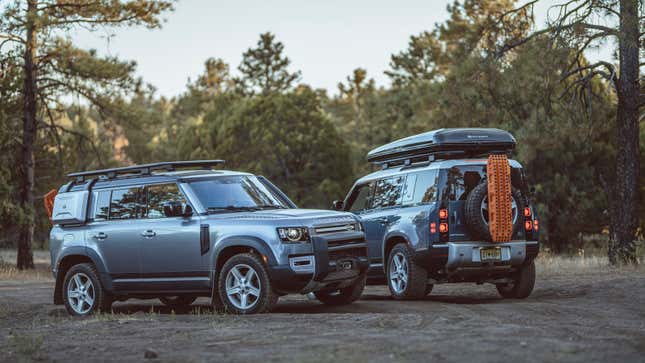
pixel 182 301
pixel 259 295
pixel 344 296
pixel 412 278
pixel 89 299
pixel 521 288
pixel 476 223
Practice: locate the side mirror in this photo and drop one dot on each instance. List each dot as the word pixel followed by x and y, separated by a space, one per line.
pixel 338 205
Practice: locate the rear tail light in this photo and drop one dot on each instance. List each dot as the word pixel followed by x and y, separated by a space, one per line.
pixel 443 227
pixel 527 211
pixel 528 225
pixel 535 224
pixel 433 228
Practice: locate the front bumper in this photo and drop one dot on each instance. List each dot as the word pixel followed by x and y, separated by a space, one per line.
pixel 457 255
pixel 337 261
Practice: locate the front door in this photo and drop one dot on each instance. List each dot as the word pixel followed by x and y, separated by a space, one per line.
pixel 170 244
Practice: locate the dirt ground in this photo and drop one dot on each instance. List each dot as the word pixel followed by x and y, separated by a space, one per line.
pixel 579 314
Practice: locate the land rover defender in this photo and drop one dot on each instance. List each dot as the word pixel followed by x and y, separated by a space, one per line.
pixel 428 219
pixel 155 231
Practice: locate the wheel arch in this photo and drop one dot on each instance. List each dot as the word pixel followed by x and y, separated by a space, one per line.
pixel 391 241
pixel 232 246
pixel 74 256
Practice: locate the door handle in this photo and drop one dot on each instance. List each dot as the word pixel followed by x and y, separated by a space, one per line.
pixel 100 236
pixel 149 233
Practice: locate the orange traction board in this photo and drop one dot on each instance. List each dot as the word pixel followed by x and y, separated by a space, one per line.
pixel 48 200
pixel 500 213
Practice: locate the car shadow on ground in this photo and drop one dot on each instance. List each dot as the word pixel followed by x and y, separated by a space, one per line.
pixel 369 303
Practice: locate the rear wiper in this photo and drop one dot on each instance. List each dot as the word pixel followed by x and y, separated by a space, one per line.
pixel 230 208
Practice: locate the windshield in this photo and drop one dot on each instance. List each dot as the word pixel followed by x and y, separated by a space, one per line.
pixel 236 192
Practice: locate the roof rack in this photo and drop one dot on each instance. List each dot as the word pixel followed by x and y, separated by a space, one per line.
pixel 144 169
pixel 423 159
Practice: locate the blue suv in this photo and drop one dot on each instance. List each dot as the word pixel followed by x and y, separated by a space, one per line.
pixel 426 215
pixel 154 231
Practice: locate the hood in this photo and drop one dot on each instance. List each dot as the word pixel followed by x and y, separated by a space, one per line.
pixel 304 216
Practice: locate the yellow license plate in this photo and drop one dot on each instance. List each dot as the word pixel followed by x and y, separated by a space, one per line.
pixel 488 254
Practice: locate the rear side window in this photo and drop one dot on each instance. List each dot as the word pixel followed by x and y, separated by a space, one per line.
pixel 126 203
pixel 388 192
pixel 359 200
pixel 102 205
pixel 160 198
pixel 425 188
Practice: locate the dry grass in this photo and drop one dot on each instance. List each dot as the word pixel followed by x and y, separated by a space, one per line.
pixel 8 270
pixel 549 265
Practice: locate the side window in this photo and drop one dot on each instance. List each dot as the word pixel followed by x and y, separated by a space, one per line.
pixel 101 205
pixel 359 200
pixel 408 189
pixel 388 192
pixel 161 198
pixel 126 203
pixel 425 190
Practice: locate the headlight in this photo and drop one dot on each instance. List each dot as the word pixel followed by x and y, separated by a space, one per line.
pixel 293 234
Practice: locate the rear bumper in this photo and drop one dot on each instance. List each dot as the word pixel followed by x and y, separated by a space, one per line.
pixel 334 263
pixel 457 255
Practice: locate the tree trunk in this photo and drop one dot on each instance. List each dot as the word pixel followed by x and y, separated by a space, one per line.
pixel 25 258
pixel 624 221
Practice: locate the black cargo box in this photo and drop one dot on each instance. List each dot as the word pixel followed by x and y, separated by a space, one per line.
pixel 458 142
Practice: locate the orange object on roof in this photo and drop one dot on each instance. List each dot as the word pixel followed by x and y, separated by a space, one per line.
pixel 48 200
pixel 500 212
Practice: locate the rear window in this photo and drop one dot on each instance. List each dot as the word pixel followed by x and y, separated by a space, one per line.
pixel 461 179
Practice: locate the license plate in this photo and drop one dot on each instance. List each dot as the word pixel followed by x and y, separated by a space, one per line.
pixel 491 254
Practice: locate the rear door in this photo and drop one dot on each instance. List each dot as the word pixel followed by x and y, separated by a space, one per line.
pixel 114 233
pixel 170 244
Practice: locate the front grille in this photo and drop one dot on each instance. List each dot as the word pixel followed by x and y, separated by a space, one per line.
pixel 336 228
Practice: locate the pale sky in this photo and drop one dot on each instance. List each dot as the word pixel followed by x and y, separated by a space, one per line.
pixel 326 40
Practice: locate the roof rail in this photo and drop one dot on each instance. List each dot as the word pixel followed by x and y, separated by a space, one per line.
pixel 429 157
pixel 145 169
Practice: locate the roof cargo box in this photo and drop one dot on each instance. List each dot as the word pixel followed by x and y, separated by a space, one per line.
pixel 461 142
pixel 70 208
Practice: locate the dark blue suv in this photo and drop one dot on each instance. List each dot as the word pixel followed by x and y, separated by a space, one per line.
pixel 425 215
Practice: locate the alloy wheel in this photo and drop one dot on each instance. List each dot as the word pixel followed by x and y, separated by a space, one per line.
pixel 243 286
pixel 80 293
pixel 398 273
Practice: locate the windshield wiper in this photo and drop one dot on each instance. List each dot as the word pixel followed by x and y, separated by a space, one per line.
pixel 271 206
pixel 230 208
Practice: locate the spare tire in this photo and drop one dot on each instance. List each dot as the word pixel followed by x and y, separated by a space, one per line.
pixel 476 211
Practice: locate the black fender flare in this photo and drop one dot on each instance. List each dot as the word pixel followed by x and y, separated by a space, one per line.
pixel 238 241
pixel 243 241
pixel 389 236
pixel 80 251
